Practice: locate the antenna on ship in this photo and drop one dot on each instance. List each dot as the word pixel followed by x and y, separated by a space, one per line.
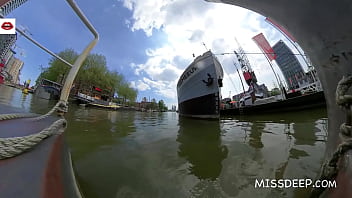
pixel 205 46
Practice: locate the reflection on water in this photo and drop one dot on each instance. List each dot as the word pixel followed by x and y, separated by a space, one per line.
pixel 26 102
pixel 14 97
pixel 143 154
pixel 274 147
pixel 200 145
pixel 255 135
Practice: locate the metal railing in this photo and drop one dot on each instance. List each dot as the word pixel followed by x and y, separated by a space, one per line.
pixel 79 61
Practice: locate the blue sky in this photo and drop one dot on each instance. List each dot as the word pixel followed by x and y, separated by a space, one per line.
pixel 149 42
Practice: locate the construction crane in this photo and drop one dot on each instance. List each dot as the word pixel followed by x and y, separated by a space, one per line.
pixel 248 73
pixel 255 90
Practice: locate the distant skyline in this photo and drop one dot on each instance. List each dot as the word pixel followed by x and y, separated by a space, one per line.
pixel 149 42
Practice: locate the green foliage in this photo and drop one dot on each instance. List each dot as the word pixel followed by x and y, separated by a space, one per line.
pixel 58 70
pixel 162 106
pixel 125 91
pixel 275 91
pixel 152 106
pixel 94 72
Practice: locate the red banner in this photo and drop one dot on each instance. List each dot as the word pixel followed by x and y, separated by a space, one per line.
pixel 281 29
pixel 261 41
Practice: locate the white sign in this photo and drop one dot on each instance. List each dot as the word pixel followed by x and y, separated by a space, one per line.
pixel 8 26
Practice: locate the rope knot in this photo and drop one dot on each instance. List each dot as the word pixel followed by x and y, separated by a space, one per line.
pixel 62 107
pixel 342 87
pixel 346 130
pixel 330 170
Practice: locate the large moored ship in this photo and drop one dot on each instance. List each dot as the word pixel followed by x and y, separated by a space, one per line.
pixel 198 89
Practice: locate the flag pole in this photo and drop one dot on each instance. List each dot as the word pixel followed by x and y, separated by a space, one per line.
pixel 276 76
pixel 244 91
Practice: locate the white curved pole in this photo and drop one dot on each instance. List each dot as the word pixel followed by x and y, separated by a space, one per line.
pixel 65 92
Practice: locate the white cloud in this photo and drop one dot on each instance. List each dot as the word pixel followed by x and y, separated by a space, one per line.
pixel 197 36
pixel 187 24
pixel 147 14
pixel 163 88
pixel 139 85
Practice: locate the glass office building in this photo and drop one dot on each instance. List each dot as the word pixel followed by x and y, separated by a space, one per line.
pixel 289 65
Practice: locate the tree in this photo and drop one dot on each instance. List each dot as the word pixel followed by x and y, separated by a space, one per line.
pixel 162 106
pixel 275 91
pixel 93 73
pixel 128 93
pixel 57 71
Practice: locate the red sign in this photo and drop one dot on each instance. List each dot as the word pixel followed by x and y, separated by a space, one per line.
pixel 264 45
pixel 7 26
pixel 281 29
pixel 247 76
pixel 97 88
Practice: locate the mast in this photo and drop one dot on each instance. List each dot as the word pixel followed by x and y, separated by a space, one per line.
pixel 277 79
pixel 239 75
pixel 205 46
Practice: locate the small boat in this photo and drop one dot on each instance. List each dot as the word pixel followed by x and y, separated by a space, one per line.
pixel 95 102
pixel 198 89
pixel 110 105
pixel 25 91
pixel 48 89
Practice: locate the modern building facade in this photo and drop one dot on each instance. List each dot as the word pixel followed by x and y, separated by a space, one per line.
pixel 6 42
pixel 13 68
pixel 7 6
pixel 289 65
pixel 8 56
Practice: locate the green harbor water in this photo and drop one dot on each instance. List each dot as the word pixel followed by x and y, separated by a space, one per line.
pixel 143 154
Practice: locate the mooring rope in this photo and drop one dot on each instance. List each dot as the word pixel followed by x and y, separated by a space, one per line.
pixel 330 168
pixel 15 116
pixel 61 106
pixel 10 147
